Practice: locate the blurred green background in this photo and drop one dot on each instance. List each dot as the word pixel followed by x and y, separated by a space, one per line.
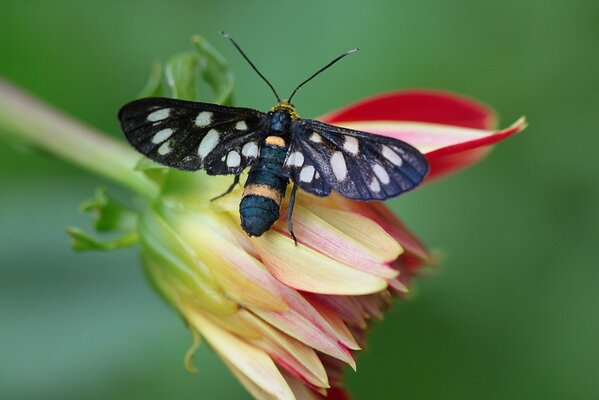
pixel 512 312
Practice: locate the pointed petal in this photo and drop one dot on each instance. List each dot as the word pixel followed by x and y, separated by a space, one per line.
pixel 301 358
pixel 336 323
pixel 435 107
pixel 244 278
pixel 303 268
pixel 254 366
pixel 447 148
pixel 345 237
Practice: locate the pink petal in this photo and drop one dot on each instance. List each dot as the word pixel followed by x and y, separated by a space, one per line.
pixel 417 105
pixel 345 237
pixel 306 269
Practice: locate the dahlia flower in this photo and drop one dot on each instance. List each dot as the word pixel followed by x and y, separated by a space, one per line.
pixel 285 319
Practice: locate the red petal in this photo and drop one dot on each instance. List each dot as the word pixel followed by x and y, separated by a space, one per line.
pixel 460 155
pixel 418 105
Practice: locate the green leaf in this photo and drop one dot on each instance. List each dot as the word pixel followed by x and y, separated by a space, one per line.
pixel 82 241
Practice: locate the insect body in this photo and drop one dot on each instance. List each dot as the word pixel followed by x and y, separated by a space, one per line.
pixel 277 146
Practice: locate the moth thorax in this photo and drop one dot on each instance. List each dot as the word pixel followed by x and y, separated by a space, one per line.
pixel 280 121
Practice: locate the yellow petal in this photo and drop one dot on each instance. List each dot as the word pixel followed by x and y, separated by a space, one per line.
pixel 303 268
pixel 346 237
pixel 242 276
pixel 295 354
pixel 252 364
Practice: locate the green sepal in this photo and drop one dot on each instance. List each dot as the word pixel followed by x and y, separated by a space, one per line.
pixel 154 85
pixel 215 71
pixel 82 241
pixel 109 215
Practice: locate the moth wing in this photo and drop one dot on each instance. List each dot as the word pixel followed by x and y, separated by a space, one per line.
pixel 358 165
pixel 190 136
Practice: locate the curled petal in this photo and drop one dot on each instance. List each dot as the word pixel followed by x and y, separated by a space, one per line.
pixel 303 268
pixel 447 148
pixel 430 106
pixel 254 367
pixel 346 237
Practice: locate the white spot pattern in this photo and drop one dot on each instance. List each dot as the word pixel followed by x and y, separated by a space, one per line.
pixel 250 149
pixel 208 143
pixel 315 137
pixel 374 185
pixel 351 145
pixel 233 159
pixel 307 174
pixel 203 119
pixel 296 159
pixel 162 135
pixel 381 173
pixel 159 115
pixel 241 126
pixel 392 156
pixel 339 166
pixel 165 148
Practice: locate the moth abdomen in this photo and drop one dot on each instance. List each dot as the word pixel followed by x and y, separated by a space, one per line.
pixel 264 189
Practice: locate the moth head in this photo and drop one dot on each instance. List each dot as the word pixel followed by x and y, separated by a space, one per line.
pixel 286 107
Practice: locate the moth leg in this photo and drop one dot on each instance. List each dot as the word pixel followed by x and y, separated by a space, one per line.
pixel 229 190
pixel 290 212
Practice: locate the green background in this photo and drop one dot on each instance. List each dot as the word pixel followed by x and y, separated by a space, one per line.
pixel 512 312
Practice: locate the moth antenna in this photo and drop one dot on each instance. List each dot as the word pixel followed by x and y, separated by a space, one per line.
pixel 347 53
pixel 226 35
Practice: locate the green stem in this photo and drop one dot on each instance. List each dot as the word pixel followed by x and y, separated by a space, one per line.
pixel 49 129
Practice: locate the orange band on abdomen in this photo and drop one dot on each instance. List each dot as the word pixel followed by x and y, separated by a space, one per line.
pixel 275 141
pixel 264 191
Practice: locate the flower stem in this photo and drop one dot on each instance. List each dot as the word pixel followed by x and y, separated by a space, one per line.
pixel 42 126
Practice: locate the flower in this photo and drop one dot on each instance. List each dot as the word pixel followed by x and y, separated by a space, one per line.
pixel 287 319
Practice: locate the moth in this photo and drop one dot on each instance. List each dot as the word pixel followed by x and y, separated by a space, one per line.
pixel 277 146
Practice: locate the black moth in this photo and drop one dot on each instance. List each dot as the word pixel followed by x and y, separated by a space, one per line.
pixel 277 146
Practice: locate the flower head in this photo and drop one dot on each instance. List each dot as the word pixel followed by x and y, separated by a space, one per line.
pixel 285 319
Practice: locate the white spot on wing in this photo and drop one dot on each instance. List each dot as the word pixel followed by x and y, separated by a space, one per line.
pixel 233 159
pixel 162 135
pixel 307 174
pixel 250 149
pixel 159 115
pixel 296 159
pixel 165 148
pixel 339 166
pixel 241 126
pixel 391 156
pixel 374 185
pixel 203 119
pixel 351 145
pixel 208 143
pixel 381 173
pixel 315 137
